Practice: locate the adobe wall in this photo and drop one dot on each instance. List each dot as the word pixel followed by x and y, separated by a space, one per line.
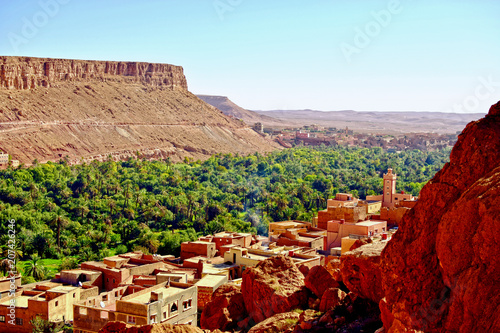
pixel 393 215
pixel 194 249
pixel 91 319
pixel 22 313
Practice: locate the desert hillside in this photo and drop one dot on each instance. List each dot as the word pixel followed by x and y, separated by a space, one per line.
pixel 53 108
pixel 229 108
pixel 379 122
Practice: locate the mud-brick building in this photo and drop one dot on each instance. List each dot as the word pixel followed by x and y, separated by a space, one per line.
pixel 9 283
pixel 119 269
pixel 175 304
pixel 197 248
pixel 50 301
pixel 207 286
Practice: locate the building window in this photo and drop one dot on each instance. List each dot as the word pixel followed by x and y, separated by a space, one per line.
pixel 116 294
pixel 2 319
pixel 388 193
pixel 19 321
pixel 173 308
pixel 187 304
pixel 131 319
pixel 152 319
pixel 164 315
pixel 383 229
pixel 104 298
pixel 74 295
pixel 57 303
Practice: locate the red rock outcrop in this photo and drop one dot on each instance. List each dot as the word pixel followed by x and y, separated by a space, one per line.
pixel 331 298
pixel 281 322
pixel 273 286
pixel 360 270
pixel 319 279
pixel 225 309
pixel 441 270
pixel 29 73
pixel 121 327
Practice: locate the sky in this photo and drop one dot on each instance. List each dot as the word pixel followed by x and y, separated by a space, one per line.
pixel 364 55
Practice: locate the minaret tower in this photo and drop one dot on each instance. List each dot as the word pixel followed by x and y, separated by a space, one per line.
pixel 389 188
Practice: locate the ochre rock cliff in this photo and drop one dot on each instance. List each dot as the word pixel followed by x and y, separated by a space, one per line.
pixel 441 270
pixel 29 73
pixel 88 110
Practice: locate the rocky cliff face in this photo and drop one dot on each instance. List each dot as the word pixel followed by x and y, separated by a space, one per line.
pixel 29 73
pixel 93 110
pixel 441 271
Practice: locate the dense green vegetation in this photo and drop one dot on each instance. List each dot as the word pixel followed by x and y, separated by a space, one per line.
pixel 94 210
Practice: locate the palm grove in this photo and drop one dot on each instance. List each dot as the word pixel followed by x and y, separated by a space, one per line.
pixel 89 211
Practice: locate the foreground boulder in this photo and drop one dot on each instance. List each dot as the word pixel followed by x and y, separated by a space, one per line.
pixel 319 279
pixel 441 270
pixel 273 286
pixel 332 298
pixel 361 272
pixel 225 310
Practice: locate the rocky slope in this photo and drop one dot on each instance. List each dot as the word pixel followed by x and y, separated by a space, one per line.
pixel 53 108
pixel 441 271
pixel 249 117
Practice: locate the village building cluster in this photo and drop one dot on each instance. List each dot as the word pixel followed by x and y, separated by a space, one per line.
pixel 6 160
pixel 316 135
pixel 141 289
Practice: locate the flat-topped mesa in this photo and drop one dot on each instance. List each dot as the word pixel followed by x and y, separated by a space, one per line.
pixel 29 73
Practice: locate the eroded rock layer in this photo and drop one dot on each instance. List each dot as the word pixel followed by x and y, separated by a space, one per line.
pixel 90 110
pixel 29 73
pixel 441 271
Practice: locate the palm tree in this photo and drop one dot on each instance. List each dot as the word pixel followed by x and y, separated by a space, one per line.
pixel 59 221
pixel 34 268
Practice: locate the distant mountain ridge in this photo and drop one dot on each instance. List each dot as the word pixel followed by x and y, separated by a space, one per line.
pixel 376 121
pixel 229 108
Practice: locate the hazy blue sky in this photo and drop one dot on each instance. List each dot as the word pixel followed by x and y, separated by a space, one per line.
pixel 425 55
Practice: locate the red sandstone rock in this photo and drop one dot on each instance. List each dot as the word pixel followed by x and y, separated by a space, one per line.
pixel 225 310
pixel 273 286
pixel 281 322
pixel 441 270
pixel 332 298
pixel 333 267
pixel 359 243
pixel 121 327
pixel 360 270
pixel 318 280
